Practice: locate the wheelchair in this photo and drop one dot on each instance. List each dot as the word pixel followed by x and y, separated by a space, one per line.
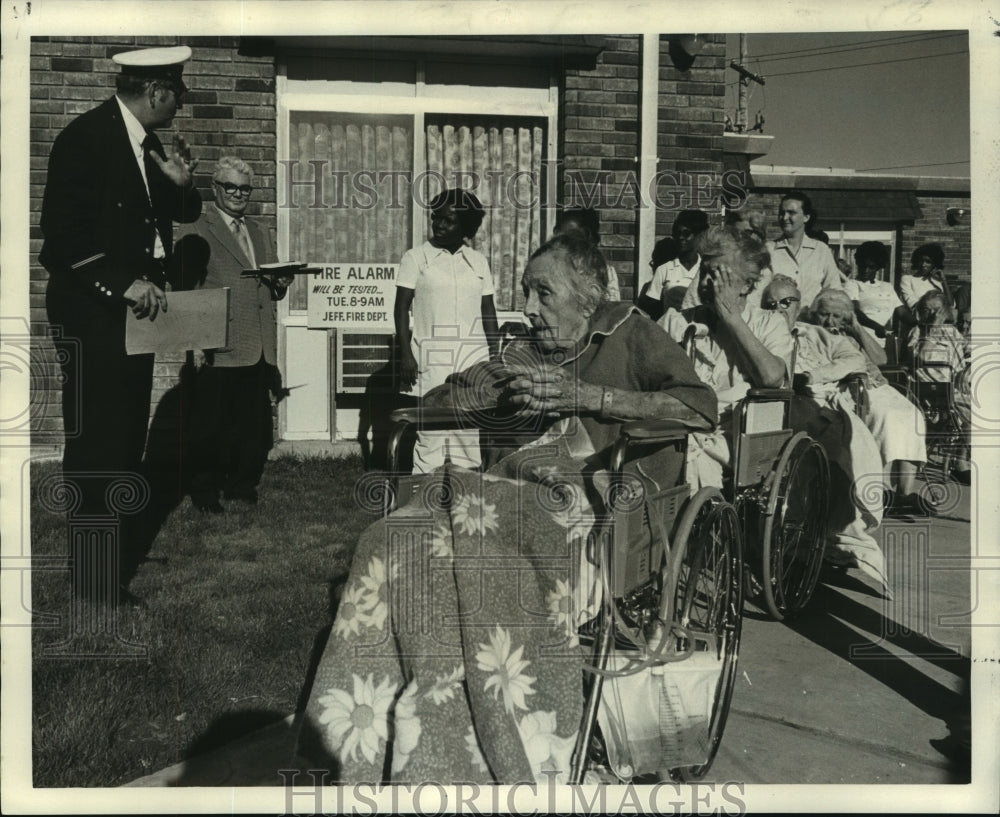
pixel 780 487
pixel 665 642
pixel 945 426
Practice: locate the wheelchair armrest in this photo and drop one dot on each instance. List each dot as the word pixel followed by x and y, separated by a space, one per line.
pixel 769 394
pixel 894 371
pixel 645 432
pixel 437 418
pixel 667 428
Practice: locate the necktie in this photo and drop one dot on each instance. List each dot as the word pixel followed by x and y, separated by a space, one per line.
pixel 149 144
pixel 239 230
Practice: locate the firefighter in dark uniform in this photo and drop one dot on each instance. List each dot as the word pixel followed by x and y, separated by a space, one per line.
pixel 111 195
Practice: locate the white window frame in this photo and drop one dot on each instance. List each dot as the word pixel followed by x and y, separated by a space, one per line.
pixel 418 100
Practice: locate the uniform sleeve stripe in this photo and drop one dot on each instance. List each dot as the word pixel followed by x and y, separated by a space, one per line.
pixel 92 258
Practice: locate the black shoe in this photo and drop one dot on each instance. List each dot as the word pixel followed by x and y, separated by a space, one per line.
pixel 210 507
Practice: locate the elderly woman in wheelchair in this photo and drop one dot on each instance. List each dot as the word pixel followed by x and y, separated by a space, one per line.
pixel 822 361
pixel 896 423
pixel 939 358
pixel 458 652
pixel 775 474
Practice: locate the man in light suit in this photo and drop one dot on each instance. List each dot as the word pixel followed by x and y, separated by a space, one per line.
pixel 111 195
pixel 230 430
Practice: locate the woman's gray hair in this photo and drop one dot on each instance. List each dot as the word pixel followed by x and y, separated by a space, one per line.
pixel 234 163
pixel 589 267
pixel 717 241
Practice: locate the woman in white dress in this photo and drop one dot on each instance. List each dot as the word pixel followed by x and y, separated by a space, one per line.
pixel 874 299
pixel 448 287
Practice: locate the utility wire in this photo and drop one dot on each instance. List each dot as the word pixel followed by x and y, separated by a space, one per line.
pixel 901 167
pixel 846 50
pixel 865 64
pixel 914 37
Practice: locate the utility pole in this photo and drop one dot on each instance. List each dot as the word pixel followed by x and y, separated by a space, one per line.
pixel 746 77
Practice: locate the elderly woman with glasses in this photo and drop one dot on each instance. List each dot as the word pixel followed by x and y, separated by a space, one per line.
pixel 454 654
pixel 896 424
pixel 823 359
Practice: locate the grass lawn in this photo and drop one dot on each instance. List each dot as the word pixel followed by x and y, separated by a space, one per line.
pixel 236 604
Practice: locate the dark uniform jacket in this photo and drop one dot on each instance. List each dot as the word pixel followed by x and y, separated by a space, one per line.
pixel 97 219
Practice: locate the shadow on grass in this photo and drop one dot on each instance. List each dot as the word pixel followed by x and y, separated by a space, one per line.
pixel 165 469
pixel 244 748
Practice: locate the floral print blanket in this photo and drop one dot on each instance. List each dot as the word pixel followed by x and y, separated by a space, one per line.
pixel 454 654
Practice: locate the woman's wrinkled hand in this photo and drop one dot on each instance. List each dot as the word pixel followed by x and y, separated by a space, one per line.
pixel 549 390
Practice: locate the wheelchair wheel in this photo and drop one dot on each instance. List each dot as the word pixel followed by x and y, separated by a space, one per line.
pixel 707 599
pixel 794 533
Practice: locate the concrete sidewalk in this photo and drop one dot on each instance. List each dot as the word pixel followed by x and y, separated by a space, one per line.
pixel 857 690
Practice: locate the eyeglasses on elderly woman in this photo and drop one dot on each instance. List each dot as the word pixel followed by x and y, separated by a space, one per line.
pixel 780 303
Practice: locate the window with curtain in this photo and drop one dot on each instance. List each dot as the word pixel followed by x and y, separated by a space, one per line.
pixel 366 213
pixel 500 160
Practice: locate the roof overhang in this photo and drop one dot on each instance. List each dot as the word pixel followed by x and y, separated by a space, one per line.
pixel 571 51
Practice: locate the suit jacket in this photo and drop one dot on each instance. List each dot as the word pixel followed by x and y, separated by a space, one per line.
pixel 97 219
pixel 207 255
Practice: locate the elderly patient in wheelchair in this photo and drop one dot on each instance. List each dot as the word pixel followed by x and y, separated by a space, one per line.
pixel 825 409
pixel 738 347
pixel 456 654
pixel 896 423
pixel 939 358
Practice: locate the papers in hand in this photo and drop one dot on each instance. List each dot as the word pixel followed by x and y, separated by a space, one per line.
pixel 282 268
pixel 196 319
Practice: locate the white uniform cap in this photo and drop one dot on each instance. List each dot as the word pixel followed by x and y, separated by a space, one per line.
pixel 154 62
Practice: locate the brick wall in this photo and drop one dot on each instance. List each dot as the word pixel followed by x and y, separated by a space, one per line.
pixel 689 134
pixel 230 109
pixel 600 138
pixel 934 228
pixel 599 144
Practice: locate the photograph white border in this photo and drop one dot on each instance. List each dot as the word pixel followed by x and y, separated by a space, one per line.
pixel 23 20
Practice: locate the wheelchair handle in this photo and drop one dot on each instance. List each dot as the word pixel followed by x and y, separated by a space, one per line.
pixel 770 394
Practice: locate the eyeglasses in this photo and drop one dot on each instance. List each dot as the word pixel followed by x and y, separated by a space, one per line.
pixel 232 189
pixel 781 303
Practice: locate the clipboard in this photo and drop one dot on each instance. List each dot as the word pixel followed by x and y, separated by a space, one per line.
pixel 195 319
pixel 281 268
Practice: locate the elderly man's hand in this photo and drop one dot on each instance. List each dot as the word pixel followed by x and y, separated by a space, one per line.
pixel 179 166
pixel 145 299
pixel 550 390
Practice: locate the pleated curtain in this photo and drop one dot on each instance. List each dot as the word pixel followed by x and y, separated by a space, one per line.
pixel 501 163
pixel 353 224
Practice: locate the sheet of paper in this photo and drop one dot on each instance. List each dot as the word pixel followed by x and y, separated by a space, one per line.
pixel 195 319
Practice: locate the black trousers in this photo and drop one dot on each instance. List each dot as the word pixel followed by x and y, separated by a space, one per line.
pixel 105 405
pixel 230 431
